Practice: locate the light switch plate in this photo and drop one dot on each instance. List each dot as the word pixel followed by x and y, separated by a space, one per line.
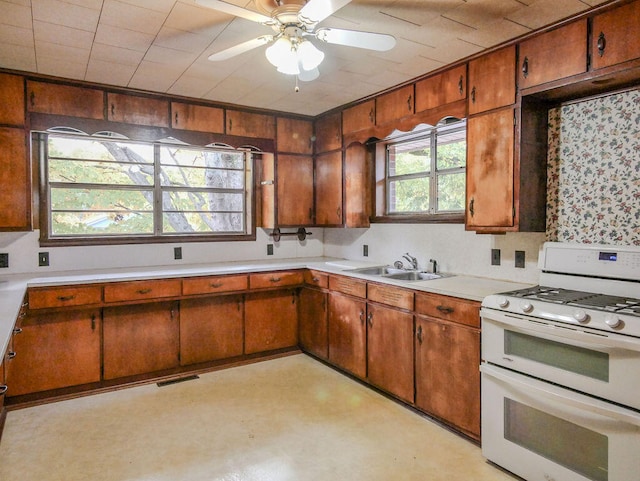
pixel 520 259
pixel 4 259
pixel 495 257
pixel 43 259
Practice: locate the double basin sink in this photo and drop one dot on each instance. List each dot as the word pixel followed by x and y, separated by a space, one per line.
pixel 389 272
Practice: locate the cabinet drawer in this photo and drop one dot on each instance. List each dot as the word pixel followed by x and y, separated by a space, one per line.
pixel 56 99
pixel 138 290
pixel 347 285
pixel 212 284
pixel 449 308
pixel 315 278
pixel 42 298
pixel 392 296
pixel 275 279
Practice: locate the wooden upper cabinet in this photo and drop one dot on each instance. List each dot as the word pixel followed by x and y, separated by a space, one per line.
pixel 295 190
pixel 441 89
pixel 328 185
pixel 539 56
pixel 130 109
pixel 615 36
pixel 359 117
pixel 11 100
pixel 329 133
pixel 294 136
pixel 492 80
pixel 197 117
pixel 357 187
pixel 15 181
pixel 247 124
pixel 56 99
pixel 395 105
pixel 490 173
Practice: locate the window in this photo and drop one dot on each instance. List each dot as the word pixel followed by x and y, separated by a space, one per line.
pixel 112 188
pixel 425 173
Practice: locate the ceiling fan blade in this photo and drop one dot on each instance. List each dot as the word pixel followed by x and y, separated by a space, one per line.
pixel 235 10
pixel 353 38
pixel 241 48
pixel 316 11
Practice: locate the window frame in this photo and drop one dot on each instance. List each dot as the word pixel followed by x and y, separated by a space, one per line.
pixel 383 179
pixel 40 142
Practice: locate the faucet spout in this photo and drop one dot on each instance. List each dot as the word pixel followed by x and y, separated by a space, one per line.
pixel 412 260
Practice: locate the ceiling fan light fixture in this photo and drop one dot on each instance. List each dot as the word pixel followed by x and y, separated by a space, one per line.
pixel 309 55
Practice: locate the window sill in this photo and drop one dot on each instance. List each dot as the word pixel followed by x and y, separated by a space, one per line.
pixel 175 239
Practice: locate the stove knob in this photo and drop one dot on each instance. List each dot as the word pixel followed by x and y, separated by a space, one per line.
pixel 526 306
pixel 503 302
pixel 612 321
pixel 580 316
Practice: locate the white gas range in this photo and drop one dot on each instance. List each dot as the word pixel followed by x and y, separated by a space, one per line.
pixel 561 368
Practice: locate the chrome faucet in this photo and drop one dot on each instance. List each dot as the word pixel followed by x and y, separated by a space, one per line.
pixel 412 260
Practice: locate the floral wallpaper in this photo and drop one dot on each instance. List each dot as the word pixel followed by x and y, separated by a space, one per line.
pixel 593 176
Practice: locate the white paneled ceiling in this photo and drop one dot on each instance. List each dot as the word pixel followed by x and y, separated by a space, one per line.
pixel 163 45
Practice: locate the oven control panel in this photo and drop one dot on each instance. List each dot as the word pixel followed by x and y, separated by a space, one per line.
pixel 606 261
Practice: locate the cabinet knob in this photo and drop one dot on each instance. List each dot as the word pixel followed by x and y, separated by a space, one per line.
pixel 525 67
pixel 17 330
pixel 445 309
pixel 602 43
pixel 11 354
pixel 3 389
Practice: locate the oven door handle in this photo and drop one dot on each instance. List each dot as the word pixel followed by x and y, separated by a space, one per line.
pixel 554 393
pixel 581 338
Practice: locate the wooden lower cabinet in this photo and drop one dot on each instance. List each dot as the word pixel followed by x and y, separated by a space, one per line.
pixel 211 328
pixel 348 333
pixel 447 373
pixel 271 321
pixel 140 339
pixel 390 350
pixel 313 322
pixel 55 350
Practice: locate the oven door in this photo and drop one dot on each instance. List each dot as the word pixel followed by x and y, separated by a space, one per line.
pixel 602 364
pixel 542 432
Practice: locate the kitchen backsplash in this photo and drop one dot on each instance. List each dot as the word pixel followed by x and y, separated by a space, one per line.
pixel 593 193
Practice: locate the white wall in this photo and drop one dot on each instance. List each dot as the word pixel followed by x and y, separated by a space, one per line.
pixel 455 250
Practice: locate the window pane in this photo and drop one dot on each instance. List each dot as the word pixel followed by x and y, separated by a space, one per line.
pixel 200 177
pixel 100 199
pixel 202 222
pixel 96 149
pixel 411 195
pixel 409 158
pixel 203 201
pixel 190 157
pixel 452 150
pixel 91 172
pixel 451 191
pixel 101 223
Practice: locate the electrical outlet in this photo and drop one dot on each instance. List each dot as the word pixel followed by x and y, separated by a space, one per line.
pixel 495 257
pixel 365 250
pixel 43 259
pixel 177 253
pixel 4 260
pixel 520 259
pixel 269 249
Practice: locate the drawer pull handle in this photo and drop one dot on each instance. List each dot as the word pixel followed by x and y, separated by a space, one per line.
pixel 144 291
pixel 362 316
pixel 17 330
pixel 275 279
pixel 66 298
pixel 370 319
pixel 11 354
pixel 445 309
pixel 473 95
pixel 315 279
pixel 461 85
pixel 3 389
pixel 215 285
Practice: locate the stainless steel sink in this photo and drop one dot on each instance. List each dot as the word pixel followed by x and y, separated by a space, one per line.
pixel 377 271
pixel 390 272
pixel 414 276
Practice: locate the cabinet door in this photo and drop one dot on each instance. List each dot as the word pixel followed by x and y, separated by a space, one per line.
pixel 329 189
pixel 137 110
pixel 49 98
pixel 15 181
pixel 447 375
pixel 140 339
pixel 197 117
pixel 441 89
pixel 56 350
pixel 357 186
pixel 390 350
pixel 490 140
pixel 492 80
pixel 295 190
pixel 615 36
pixel 359 117
pixel 11 100
pixel 210 328
pixel 329 133
pixel 539 55
pixel 395 105
pixel 312 322
pixel 348 334
pixel 294 136
pixel 247 124
pixel 271 321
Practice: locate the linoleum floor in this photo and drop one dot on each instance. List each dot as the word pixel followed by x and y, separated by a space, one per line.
pixel 288 419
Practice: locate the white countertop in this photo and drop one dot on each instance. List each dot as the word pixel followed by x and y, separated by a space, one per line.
pixel 13 287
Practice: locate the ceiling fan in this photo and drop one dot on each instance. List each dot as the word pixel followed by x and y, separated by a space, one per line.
pixel 294 23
